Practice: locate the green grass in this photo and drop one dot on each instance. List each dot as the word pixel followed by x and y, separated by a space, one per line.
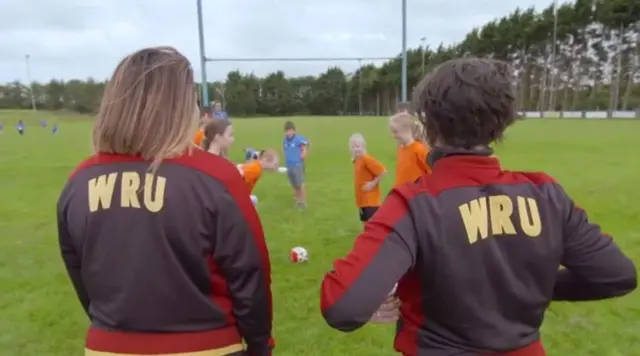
pixel 597 161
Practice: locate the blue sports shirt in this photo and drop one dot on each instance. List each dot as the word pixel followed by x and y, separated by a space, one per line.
pixel 250 154
pixel 293 150
pixel 220 115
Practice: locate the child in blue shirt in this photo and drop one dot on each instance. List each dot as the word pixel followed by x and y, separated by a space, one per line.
pixel 20 127
pixel 250 154
pixel 218 113
pixel 295 147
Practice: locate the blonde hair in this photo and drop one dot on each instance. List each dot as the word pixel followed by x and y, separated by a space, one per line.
pixel 268 155
pixel 418 132
pixel 411 123
pixel 356 137
pixel 149 107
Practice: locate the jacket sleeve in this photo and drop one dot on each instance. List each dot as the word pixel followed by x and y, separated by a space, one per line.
pixel 595 267
pixel 241 252
pixel 72 260
pixel 360 282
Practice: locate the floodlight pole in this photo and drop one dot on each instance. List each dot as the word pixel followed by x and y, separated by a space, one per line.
pixel 552 84
pixel 422 45
pixel 32 94
pixel 360 88
pixel 204 99
pixel 404 50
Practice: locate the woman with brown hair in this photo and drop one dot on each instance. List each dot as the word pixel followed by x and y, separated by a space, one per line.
pixel 217 137
pixel 157 268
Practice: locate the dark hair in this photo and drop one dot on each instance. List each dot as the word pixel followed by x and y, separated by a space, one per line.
pixel 213 128
pixel 466 102
pixel 289 126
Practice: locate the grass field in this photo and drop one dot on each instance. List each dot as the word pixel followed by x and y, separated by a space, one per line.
pixel 597 161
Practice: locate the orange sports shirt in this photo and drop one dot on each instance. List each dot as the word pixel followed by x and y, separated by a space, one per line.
pixel 251 172
pixel 366 169
pixel 411 162
pixel 198 138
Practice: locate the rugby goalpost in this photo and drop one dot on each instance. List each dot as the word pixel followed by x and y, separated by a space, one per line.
pixel 204 59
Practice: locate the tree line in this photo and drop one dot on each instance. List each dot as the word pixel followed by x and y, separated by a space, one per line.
pixel 583 55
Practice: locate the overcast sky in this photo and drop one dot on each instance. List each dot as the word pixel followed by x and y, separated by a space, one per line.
pixel 82 38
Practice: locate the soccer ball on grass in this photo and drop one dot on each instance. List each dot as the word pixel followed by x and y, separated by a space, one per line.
pixel 298 255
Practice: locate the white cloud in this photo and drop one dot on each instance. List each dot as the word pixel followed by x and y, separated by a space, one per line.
pixel 81 38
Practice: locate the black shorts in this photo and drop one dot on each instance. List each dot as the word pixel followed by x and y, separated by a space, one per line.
pixel 367 212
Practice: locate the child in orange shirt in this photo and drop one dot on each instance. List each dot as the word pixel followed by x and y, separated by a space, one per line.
pixel 411 162
pixel 252 170
pixel 367 173
pixel 197 140
pixel 204 120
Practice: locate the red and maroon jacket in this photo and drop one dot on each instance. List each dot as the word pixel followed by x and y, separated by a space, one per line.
pixel 169 262
pixel 477 252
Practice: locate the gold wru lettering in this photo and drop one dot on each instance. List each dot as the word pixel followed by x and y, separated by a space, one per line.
pixel 493 216
pixel 102 191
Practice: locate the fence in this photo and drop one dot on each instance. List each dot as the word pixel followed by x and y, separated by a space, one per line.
pixel 589 115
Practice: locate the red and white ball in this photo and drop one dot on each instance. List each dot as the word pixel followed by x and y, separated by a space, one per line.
pixel 298 255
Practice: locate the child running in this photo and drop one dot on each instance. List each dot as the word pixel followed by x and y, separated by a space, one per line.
pixel 252 170
pixel 20 127
pixel 412 154
pixel 367 173
pixel 295 148
pixel 217 137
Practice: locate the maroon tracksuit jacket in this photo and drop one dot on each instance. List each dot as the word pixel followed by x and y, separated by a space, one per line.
pixel 171 262
pixel 476 251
